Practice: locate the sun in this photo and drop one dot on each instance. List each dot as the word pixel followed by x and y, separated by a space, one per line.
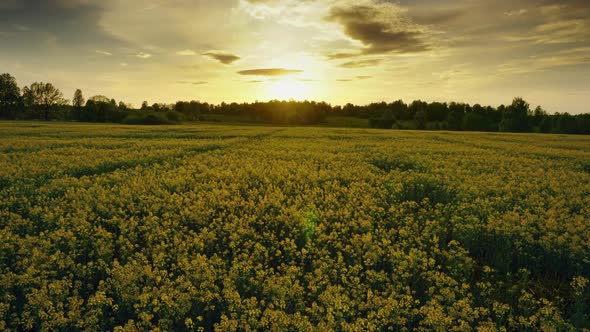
pixel 287 88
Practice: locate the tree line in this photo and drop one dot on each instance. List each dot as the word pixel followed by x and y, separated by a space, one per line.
pixel 45 101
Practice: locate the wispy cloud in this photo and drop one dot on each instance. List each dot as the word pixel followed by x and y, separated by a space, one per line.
pixel 270 72
pixel 516 12
pixel 571 57
pixel 356 78
pixel 103 52
pixel 143 55
pixel 192 82
pixel 186 53
pixel 223 57
pixel 361 63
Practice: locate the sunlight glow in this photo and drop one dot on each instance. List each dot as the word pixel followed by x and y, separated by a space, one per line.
pixel 287 88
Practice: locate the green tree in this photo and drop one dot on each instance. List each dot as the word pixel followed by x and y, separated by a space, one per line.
pixel 516 116
pixel 455 116
pixel 10 99
pixel 474 121
pixel 78 100
pixel 420 119
pixel 78 103
pixel 103 109
pixel 43 96
pixel 122 106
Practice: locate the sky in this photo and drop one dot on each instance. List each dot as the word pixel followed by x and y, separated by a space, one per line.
pixel 339 51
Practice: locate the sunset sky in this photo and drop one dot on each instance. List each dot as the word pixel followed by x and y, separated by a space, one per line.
pixel 339 51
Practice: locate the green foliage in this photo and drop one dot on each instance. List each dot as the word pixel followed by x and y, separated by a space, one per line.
pixel 10 98
pixel 515 117
pixel 388 164
pixel 43 97
pixel 420 188
pixel 44 101
pixel 420 118
pixel 153 118
pixel 381 123
pixel 310 221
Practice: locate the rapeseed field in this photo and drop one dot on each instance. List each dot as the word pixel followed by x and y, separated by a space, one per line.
pixel 247 228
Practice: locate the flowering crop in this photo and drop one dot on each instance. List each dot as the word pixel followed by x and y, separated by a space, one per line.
pixel 210 227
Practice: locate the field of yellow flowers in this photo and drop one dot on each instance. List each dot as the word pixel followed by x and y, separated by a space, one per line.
pixel 237 228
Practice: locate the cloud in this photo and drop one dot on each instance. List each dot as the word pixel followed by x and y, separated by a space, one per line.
pixel 186 53
pixel 270 72
pixel 380 29
pixel 516 12
pixel 143 55
pixel 570 57
pixel 67 23
pixel 103 52
pixel 360 77
pixel 553 24
pixel 192 82
pixel 225 58
pixel 262 1
pixel 361 63
pixel 338 56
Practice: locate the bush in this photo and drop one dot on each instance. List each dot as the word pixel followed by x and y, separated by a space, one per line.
pixel 153 118
pixel 381 123
pixel 387 164
pixel 419 188
pixel 175 117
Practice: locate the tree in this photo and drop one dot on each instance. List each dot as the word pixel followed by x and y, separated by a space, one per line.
pixel 515 117
pixel 386 120
pixel 10 99
pixel 123 106
pixel 420 119
pixel 78 100
pixel 103 109
pixel 455 116
pixel 100 99
pixel 78 103
pixel 144 106
pixel 43 96
pixel 475 121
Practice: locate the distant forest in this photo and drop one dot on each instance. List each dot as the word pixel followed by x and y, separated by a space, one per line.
pixel 43 101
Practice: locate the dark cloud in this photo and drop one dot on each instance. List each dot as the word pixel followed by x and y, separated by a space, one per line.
pixel 338 56
pixel 270 72
pixel 222 57
pixel 360 63
pixel 436 17
pixel 378 33
pixel 34 23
